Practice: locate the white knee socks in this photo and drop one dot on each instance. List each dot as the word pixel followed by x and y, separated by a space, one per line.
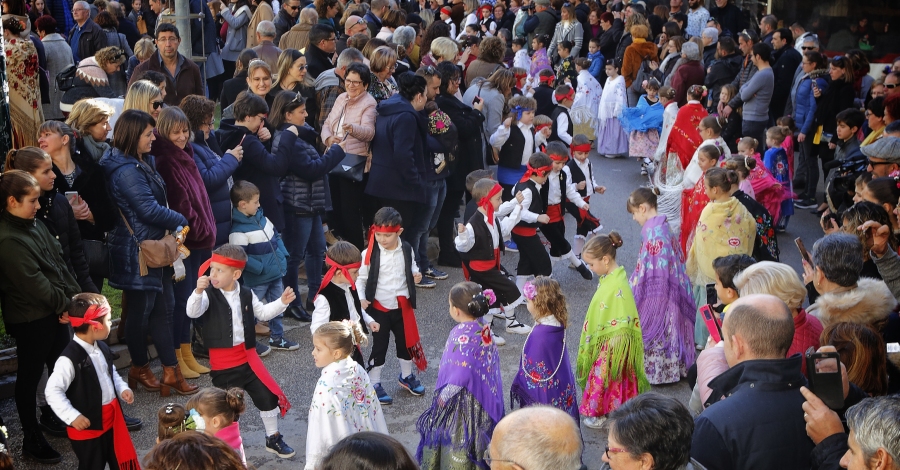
pixel 405 368
pixel 578 244
pixel 573 260
pixel 270 421
pixel 375 375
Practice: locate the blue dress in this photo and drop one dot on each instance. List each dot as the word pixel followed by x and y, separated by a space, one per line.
pixel 776 162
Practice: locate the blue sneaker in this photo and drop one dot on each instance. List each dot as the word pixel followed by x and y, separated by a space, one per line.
pixel 412 384
pixel 383 397
pixel 511 246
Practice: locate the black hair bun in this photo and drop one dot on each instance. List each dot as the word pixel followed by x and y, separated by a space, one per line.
pixel 479 305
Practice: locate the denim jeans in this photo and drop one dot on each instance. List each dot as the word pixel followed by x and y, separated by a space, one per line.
pixel 181 324
pixel 269 293
pixel 304 238
pixel 148 314
pixel 435 192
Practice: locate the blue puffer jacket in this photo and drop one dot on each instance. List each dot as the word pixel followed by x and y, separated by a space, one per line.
pixel 266 254
pixel 140 193
pixel 597 64
pixel 305 187
pixel 805 107
pixel 215 173
pixel 398 152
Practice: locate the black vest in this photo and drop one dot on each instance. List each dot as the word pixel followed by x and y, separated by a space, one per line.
pixel 218 330
pixel 84 392
pixel 483 249
pixel 579 176
pixel 543 95
pixel 514 147
pixel 337 304
pixel 538 200
pixel 372 281
pixel 554 133
pixel 545 189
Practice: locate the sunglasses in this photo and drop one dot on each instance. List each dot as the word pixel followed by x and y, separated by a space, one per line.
pixel 297 99
pixel 805 48
pixel 157 104
pixel 294 8
pixel 891 86
pixel 873 164
pixel 359 22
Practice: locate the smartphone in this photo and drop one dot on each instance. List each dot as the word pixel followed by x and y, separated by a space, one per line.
pixel 824 371
pixel 803 252
pixel 713 324
pixel 72 197
pixel 711 297
pixel 477 100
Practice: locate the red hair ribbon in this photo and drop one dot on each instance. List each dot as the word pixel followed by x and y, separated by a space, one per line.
pixel 446 11
pixel 540 171
pixel 580 148
pixel 231 262
pixel 538 127
pixel 559 158
pixel 94 311
pixel 567 96
pixel 345 270
pixel 545 79
pixel 375 229
pixel 485 203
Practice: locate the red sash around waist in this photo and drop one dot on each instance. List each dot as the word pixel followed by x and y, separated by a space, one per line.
pixel 226 358
pixel 555 212
pixel 114 419
pixel 524 231
pixel 486 264
pixel 411 331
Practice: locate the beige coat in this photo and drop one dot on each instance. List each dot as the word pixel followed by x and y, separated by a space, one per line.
pixel 263 12
pixel 296 38
pixel 360 113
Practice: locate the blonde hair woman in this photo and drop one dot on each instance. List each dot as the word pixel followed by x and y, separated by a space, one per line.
pixel 382 63
pixel 569 29
pixel 143 50
pixel 444 49
pixel 144 96
pixel 90 120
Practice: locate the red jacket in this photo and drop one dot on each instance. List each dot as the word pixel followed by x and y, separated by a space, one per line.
pixel 807 331
pixel 687 74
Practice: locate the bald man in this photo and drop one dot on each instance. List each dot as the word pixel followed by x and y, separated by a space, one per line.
pixel 536 437
pixel 753 417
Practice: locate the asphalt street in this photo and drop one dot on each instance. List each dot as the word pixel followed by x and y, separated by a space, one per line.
pixel 297 374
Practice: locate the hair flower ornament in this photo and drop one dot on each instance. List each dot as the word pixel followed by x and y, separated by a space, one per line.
pixel 490 296
pixel 529 291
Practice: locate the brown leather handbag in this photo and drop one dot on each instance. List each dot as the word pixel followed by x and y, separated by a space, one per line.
pixel 154 253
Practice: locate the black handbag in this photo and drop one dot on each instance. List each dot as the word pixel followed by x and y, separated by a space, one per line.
pixel 351 167
pixel 97 254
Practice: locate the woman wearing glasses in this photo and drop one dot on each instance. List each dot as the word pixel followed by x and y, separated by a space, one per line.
pixel 144 96
pixel 383 61
pixel 293 76
pixel 352 120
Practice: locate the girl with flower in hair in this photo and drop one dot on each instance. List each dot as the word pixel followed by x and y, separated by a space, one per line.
pixel 545 374
pixel 344 401
pixel 468 397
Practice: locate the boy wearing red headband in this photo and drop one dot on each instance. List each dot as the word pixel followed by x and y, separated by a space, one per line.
pixel 543 93
pixel 581 174
pixel 337 299
pixel 387 279
pixel 445 17
pixel 559 190
pixel 232 345
pixel 479 244
pixel 562 123
pixel 84 390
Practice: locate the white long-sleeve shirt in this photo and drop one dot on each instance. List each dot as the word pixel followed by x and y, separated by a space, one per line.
pixel 198 304
pixel 466 240
pixel 587 169
pixel 527 215
pixel 554 195
pixel 562 128
pixel 391 276
pixel 501 135
pixel 322 313
pixel 64 373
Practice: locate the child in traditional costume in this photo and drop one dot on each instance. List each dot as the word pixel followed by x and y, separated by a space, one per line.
pixel 545 374
pixel 216 412
pixel 338 293
pixel 391 304
pixel 670 113
pixel 84 390
pixel 612 141
pixel 559 191
pixel 684 139
pixel 711 132
pixel 694 198
pixel 344 401
pixel 662 293
pixel 520 59
pixel 776 161
pixel 765 247
pixel 610 363
pixel 516 140
pixel 172 419
pixel 544 87
pixel 539 60
pixel 220 299
pixel 766 189
pixel 533 257
pixel 725 228
pixel 580 173
pixel 468 397
pixel 562 126
pixel 565 70
pixel 587 100
pixel 643 124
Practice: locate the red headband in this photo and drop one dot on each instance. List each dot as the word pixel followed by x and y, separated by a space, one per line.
pixel 538 127
pixel 345 270
pixel 559 158
pixel 567 96
pixel 580 148
pixel 540 171
pixel 221 260
pixel 485 202
pixel 375 229
pixel 446 11
pixel 94 311
pixel 546 79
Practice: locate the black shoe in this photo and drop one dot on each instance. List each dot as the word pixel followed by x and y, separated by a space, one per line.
pixel 36 447
pixel 298 313
pixel 133 424
pixel 805 203
pixel 584 271
pixel 50 423
pixel 275 444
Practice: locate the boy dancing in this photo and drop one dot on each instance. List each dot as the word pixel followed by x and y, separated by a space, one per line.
pixel 560 190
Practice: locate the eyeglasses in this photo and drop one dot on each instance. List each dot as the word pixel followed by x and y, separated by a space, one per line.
pixel 359 22
pixel 297 99
pixel 333 38
pixel 891 86
pixel 157 104
pixel 353 82
pixel 488 459
pixel 613 450
pixel 873 164
pixel 303 67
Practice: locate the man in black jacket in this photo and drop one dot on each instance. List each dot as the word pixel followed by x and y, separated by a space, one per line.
pixel 286 17
pixel 322 44
pixel 785 62
pixel 86 37
pixel 729 16
pixel 723 71
pixel 760 424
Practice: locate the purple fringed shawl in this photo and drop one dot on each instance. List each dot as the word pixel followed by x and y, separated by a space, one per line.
pixel 544 353
pixel 468 396
pixel 662 290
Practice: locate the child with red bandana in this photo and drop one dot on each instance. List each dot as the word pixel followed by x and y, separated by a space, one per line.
pixel 559 191
pixel 581 174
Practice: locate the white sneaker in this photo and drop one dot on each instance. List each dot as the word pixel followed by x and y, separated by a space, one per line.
pixel 497 313
pixel 594 422
pixel 498 340
pixel 513 326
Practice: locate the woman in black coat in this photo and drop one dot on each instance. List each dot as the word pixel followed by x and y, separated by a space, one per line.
pixel 837 97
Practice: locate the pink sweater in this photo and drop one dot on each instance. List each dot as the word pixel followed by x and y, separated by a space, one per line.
pixel 360 112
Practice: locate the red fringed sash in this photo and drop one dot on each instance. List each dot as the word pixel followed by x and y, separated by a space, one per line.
pixel 226 358
pixel 411 331
pixel 114 419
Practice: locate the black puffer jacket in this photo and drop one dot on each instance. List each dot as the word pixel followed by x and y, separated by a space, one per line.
pixel 90 183
pixel 57 216
pixel 305 188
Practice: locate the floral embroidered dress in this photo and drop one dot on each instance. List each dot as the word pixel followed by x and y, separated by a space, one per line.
pixel 343 403
pixel 777 163
pixel 566 69
pixel 665 304
pixel 587 101
pixel 24 91
pixel 693 201
pixel 610 363
pixel 545 374
pixel 725 228
pixel 669 116
pixel 468 402
pixel 539 61
pixel 767 190
pixel 765 247
pixel 643 123
pixel 611 138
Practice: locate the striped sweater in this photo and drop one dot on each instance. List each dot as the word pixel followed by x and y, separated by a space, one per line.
pixel 266 255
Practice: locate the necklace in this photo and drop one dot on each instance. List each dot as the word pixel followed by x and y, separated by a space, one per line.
pixel 557 364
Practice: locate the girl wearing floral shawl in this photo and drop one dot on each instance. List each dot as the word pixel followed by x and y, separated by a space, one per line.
pixel 587 100
pixel 662 293
pixel 539 60
pixel 610 363
pixel 684 139
pixel 468 397
pixel 344 401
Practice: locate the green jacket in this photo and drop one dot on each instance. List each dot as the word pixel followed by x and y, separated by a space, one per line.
pixel 34 280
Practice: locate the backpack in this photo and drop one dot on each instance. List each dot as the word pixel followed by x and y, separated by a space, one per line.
pixel 65 79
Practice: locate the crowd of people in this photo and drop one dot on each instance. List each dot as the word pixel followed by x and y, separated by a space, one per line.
pixel 328 141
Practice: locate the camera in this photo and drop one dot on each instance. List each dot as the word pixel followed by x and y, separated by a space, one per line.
pixel 529 7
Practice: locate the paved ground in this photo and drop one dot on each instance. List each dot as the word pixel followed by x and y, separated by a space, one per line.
pixel 297 374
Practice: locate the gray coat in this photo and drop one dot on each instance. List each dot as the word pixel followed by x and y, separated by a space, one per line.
pixel 59 56
pixel 236 39
pixel 117 39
